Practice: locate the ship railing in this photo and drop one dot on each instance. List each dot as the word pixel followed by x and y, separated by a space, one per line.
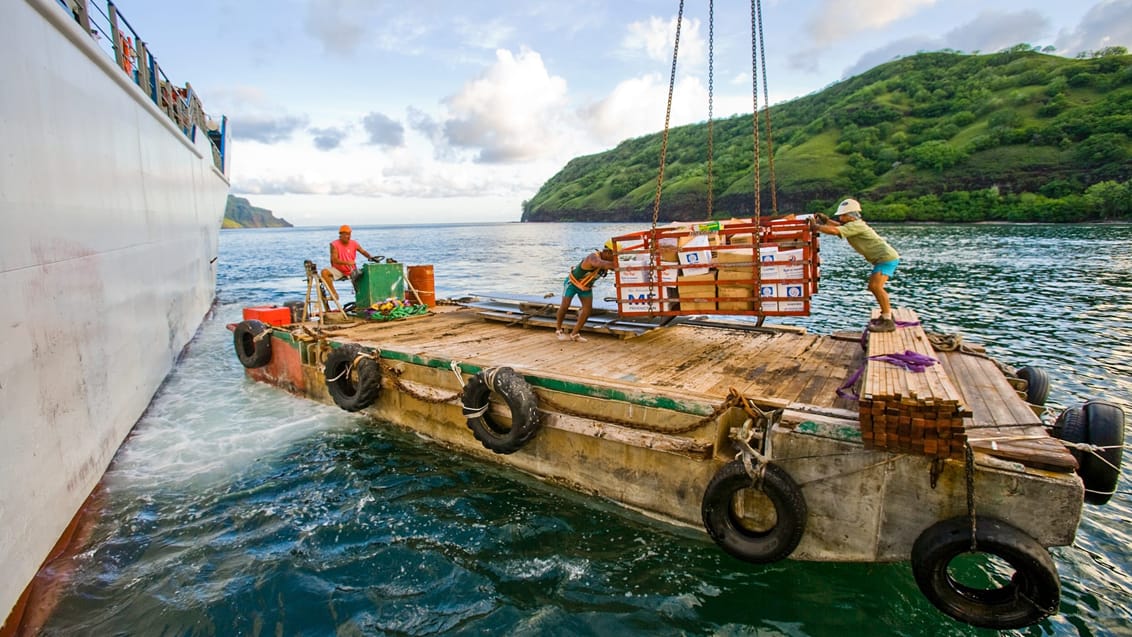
pixel 131 53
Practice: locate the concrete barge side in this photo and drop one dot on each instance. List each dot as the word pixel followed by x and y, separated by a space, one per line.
pixel 631 421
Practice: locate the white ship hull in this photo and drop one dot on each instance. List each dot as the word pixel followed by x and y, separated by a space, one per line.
pixel 107 266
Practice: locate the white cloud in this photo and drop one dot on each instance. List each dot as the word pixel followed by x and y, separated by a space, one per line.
pixel 1108 23
pixel 835 20
pixel 514 111
pixel 656 38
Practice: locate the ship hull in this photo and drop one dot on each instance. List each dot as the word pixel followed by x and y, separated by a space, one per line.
pixel 108 262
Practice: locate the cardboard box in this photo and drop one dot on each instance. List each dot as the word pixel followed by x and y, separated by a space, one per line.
pixel 725 258
pixel 745 275
pixel 768 290
pixel 796 271
pixel 697 298
pixel 767 256
pixel 793 297
pixel 742 295
pixel 695 261
pixel 272 315
pixel 643 299
pixel 634 269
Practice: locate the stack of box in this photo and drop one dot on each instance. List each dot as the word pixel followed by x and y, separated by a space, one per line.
pixel 716 262
pixel 697 292
pixel 736 276
pixel 642 286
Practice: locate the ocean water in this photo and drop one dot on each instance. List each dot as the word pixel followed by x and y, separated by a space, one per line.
pixel 235 508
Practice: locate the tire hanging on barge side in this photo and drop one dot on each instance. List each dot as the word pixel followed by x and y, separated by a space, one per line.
pixel 1032 593
pixel 521 400
pixel 252 341
pixel 1100 424
pixel 1037 384
pixel 737 534
pixel 353 380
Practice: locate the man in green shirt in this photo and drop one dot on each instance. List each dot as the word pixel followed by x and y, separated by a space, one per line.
pixel 848 225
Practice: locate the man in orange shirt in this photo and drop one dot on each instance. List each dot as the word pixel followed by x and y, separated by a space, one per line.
pixel 342 255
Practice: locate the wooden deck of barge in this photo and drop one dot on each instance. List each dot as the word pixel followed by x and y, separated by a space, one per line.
pixel 683 359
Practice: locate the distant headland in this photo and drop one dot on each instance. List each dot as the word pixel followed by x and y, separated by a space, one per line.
pixel 241 214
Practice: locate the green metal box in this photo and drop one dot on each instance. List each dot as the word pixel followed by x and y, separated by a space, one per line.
pixel 380 281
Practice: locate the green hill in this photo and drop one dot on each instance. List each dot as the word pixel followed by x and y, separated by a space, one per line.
pixel 1018 135
pixel 240 213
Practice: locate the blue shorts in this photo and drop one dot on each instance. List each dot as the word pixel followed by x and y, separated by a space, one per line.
pixel 569 290
pixel 887 268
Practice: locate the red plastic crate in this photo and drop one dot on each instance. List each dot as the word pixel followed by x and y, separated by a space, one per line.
pixel 272 315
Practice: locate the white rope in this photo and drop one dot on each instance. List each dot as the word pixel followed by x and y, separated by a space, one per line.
pixel 1094 449
pixel 455 367
pixel 489 378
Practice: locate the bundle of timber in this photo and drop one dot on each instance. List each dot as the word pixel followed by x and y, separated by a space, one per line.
pixel 908 403
pixel 736 266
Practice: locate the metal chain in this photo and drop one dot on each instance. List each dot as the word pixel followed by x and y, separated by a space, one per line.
pixel 667 120
pixel 766 99
pixel 755 121
pixel 969 462
pixel 710 107
pixel 394 375
pixel 552 405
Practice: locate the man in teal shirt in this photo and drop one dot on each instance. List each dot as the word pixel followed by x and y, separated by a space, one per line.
pixel 848 225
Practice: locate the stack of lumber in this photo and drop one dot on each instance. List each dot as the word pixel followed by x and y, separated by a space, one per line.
pixel 909 411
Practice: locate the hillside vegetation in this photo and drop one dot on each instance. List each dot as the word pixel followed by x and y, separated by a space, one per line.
pixel 1018 136
pixel 240 213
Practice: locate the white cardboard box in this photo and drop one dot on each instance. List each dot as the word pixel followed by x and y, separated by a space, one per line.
pixel 791 271
pixel 695 262
pixel 769 290
pixel 642 299
pixel 796 293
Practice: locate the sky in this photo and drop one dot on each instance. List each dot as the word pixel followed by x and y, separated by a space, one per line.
pixel 440 111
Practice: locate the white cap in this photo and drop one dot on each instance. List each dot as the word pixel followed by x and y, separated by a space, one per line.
pixel 847 206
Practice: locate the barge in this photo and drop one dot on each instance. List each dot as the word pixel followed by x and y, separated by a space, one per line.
pixel 777 442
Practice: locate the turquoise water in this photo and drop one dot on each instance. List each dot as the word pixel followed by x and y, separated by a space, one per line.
pixel 235 508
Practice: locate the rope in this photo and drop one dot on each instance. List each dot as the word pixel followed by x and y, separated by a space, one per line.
pixel 750 457
pixel 755 462
pixel 553 406
pixel 394 376
pixel 954 343
pixel 1094 450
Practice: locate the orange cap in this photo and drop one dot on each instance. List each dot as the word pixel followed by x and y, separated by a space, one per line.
pixel 344 229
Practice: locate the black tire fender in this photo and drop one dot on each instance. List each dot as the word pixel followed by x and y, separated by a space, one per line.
pixel 520 399
pixel 353 380
pixel 1032 594
pixel 760 546
pixel 1100 424
pixel 1037 384
pixel 252 341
